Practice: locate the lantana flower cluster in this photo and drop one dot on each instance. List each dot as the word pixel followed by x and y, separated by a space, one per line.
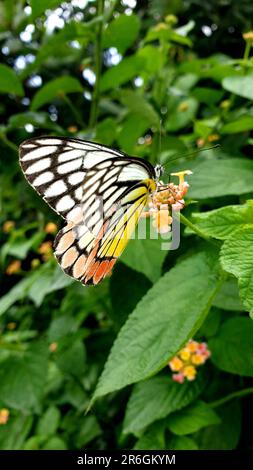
pixel 185 363
pixel 168 198
pixel 4 416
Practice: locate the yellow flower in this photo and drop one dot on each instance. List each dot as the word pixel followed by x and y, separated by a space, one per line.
pixel 4 416
pixel 13 267
pixel 225 104
pixel 8 226
pixel 185 354
pixel 175 364
pixel 12 325
pixel 198 359
pixel 181 175
pixel 160 26
pixel 35 263
pixel 171 19
pixel 183 106
pixel 189 372
pixel 248 36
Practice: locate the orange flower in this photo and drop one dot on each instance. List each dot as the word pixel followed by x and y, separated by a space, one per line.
pixel 198 359
pixel 13 267
pixel 200 142
pixel 53 347
pixel 45 248
pixel 8 226
pixel 213 137
pixel 4 415
pixel 162 221
pixel 193 355
pixel 51 228
pixel 72 129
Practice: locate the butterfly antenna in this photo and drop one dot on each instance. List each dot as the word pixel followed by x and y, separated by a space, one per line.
pixel 160 136
pixel 191 154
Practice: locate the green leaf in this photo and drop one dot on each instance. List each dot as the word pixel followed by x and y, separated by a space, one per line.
pixel 71 357
pixel 126 295
pixel 156 398
pixel 243 124
pixel 242 86
pixel 106 131
pixel 28 369
pixel 49 422
pixel 166 34
pixel 182 443
pixel 14 433
pixel 121 32
pixel 182 115
pixel 89 430
pixel 19 246
pixel 127 69
pixel 207 95
pixel 153 438
pixel 237 258
pixel 9 81
pixel 188 420
pixel 163 321
pixel 223 222
pixel 153 58
pixel 40 6
pixel 55 443
pixel 210 177
pixel 228 297
pixel 145 256
pixel 232 347
pixel 49 279
pixel 137 104
pixel 57 87
pixel 132 128
pixel 226 435
pixel 40 120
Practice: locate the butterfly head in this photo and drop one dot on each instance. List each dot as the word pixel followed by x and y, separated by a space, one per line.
pixel 159 170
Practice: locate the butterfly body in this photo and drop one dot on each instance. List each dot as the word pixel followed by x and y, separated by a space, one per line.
pixel 100 192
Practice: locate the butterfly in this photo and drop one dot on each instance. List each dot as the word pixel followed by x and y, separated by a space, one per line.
pixel 100 193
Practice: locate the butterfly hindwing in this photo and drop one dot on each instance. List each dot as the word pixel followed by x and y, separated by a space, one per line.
pixel 99 191
pixel 90 257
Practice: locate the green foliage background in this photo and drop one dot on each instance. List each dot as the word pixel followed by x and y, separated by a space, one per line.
pixel 64 346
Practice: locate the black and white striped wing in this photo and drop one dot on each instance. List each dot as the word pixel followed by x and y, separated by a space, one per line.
pixel 70 172
pixel 100 192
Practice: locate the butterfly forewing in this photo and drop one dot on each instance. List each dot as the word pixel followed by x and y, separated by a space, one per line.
pixel 99 191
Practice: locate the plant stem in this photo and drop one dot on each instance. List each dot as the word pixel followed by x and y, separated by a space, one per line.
pixel 7 142
pixel 195 229
pixel 98 56
pixel 74 111
pixel 247 51
pixel 110 10
pixel 232 396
